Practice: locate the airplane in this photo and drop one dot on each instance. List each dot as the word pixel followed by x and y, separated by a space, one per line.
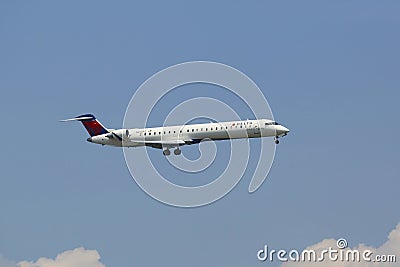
pixel 168 137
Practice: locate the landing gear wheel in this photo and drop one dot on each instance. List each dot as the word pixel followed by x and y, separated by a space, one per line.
pixel 166 152
pixel 177 151
pixel 276 141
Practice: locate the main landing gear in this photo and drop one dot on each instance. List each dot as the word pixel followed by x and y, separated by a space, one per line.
pixel 177 152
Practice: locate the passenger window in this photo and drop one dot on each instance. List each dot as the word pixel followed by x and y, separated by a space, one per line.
pixel 144 133
pixel 187 130
pixel 149 133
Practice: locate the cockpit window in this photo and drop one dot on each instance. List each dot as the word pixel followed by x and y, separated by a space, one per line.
pixel 272 123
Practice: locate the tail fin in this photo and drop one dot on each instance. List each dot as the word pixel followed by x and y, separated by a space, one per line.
pixel 93 126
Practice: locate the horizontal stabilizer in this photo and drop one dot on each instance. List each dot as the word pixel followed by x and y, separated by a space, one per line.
pixel 78 119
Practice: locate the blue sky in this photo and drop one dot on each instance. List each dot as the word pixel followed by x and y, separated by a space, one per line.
pixel 329 70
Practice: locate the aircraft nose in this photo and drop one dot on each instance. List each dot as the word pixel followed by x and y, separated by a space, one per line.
pixel 285 130
pixel 282 130
pixel 89 139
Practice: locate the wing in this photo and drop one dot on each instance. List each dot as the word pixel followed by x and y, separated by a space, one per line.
pixel 163 143
pixel 156 144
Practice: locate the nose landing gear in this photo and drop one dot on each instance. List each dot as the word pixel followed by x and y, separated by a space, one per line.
pixel 276 140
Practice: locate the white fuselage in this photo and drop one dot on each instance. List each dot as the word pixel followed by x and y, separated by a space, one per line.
pixel 175 136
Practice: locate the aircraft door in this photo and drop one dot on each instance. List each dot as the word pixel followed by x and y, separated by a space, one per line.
pixel 140 133
pixel 256 129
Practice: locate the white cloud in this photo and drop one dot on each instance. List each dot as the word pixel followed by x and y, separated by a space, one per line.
pixel 390 247
pixel 78 257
